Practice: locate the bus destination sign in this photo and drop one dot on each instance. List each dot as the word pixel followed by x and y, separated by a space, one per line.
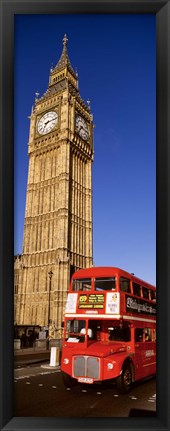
pixel 91 301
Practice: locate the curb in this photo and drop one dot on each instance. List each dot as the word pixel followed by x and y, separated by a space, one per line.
pixel 51 367
pixel 29 361
pixel 23 352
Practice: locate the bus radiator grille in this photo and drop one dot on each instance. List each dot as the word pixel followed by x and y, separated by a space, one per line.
pixel 86 366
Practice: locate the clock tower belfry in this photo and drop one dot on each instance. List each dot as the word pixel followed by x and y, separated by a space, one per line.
pixel 58 216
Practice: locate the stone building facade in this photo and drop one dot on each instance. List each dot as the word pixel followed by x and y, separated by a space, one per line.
pixel 58 216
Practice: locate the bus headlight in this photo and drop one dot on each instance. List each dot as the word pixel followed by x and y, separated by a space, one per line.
pixel 110 366
pixel 66 361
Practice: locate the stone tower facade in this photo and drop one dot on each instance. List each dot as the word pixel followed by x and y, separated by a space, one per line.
pixel 58 216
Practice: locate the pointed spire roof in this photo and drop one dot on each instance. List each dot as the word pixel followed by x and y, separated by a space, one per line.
pixel 57 76
pixel 64 59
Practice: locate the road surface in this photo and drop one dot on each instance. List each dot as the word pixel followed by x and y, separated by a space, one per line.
pixel 39 391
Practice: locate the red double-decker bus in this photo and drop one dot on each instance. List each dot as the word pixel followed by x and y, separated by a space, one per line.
pixel 109 328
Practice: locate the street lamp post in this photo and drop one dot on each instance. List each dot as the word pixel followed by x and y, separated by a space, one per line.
pixel 50 274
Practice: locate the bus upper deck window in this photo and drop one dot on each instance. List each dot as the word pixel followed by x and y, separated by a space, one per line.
pixel 153 295
pixel 81 284
pixel 136 289
pixel 104 283
pixel 145 292
pixel 124 284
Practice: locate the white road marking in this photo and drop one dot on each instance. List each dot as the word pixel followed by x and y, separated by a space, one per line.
pixel 99 393
pixel 54 387
pixel 35 375
pixel 18 369
pixel 133 398
pixel 28 383
pixel 40 384
pixel 116 395
pixel 24 377
pixel 68 389
pixel 93 405
pixel 83 390
pixel 49 372
pixel 152 399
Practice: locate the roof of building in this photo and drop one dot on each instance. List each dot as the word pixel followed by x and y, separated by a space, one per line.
pixel 64 59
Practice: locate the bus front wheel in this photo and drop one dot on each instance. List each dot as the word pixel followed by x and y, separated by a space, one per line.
pixel 68 380
pixel 124 381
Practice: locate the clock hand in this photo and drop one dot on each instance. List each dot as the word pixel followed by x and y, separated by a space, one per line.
pixel 46 122
pixel 45 125
pixel 49 121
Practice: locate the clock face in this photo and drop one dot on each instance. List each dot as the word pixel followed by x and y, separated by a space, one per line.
pixel 47 122
pixel 82 127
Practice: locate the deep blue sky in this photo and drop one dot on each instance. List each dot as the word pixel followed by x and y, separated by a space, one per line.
pixel 115 56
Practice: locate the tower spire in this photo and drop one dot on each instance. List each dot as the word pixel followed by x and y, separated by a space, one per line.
pixel 65 40
pixel 64 60
pixel 63 68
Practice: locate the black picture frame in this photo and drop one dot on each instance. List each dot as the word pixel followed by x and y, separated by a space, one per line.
pixel 7 11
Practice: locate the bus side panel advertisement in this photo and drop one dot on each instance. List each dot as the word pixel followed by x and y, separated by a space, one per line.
pixel 136 305
pixel 71 303
pixel 112 303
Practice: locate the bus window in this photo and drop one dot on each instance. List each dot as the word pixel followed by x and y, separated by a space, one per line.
pixel 73 330
pixel 89 332
pixel 118 333
pixel 81 284
pixel 136 289
pixel 105 283
pixel 124 284
pixel 148 334
pixel 95 327
pixel 145 291
pixel 138 335
pixel 153 295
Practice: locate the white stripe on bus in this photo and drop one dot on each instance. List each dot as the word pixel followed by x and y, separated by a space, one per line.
pixel 151 363
pixel 111 316
pixel 141 319
pixel 97 316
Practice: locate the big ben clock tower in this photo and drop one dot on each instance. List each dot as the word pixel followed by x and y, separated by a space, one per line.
pixel 58 216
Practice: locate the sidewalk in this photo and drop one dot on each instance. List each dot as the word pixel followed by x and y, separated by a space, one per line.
pixel 31 356
pixel 28 350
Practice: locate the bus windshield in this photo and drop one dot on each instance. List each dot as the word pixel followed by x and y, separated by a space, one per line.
pixel 96 330
pixel 100 283
pixel 105 283
pixel 81 284
pixel 75 330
